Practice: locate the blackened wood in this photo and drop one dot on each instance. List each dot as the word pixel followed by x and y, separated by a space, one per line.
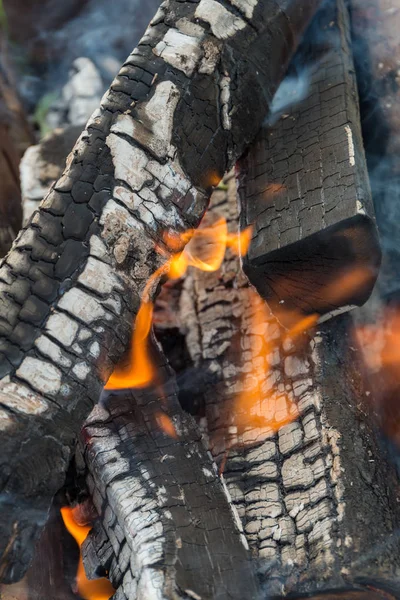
pixel 168 527
pixel 52 573
pixel 304 183
pixel 183 108
pixel 310 495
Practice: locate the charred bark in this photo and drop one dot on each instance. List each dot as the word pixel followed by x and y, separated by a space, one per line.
pixel 305 186
pixel 312 496
pixel 183 108
pixel 168 525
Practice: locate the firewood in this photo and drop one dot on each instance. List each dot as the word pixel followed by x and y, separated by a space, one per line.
pixel 375 27
pixel 314 495
pixel 184 107
pixel 304 185
pixel 166 525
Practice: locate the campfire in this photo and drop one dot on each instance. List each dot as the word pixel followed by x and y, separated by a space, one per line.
pixel 199 318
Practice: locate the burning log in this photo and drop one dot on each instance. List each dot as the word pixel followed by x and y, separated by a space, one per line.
pixel 304 185
pixel 183 108
pixel 375 26
pixel 313 494
pixel 167 524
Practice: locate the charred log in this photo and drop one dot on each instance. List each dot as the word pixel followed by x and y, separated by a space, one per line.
pixel 183 108
pixel 299 280
pixel 305 187
pixel 166 522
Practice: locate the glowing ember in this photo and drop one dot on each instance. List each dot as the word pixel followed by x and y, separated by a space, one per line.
pixel 140 370
pixel 166 425
pixel 97 589
pixel 346 284
pixel 205 250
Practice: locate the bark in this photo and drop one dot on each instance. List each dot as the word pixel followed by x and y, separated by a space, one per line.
pixel 183 108
pixel 313 496
pixel 168 525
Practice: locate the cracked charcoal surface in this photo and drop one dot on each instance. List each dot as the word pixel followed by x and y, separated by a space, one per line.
pixel 127 188
pixel 281 484
pixel 165 520
pixel 307 496
pixel 305 183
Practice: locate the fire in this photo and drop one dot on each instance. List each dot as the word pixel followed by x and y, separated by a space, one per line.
pixel 140 370
pixel 205 250
pixel 347 284
pixel 253 408
pixel 301 325
pixel 97 589
pixel 166 425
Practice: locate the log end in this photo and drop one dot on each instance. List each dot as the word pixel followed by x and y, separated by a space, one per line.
pixel 325 273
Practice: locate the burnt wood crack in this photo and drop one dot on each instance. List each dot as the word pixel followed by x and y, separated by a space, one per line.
pixel 193 93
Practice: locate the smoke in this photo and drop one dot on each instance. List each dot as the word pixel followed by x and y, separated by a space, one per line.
pixel 293 90
pixel 317 44
pixel 378 80
pixel 103 31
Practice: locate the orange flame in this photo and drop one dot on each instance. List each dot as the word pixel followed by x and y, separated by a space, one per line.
pixel 301 325
pixel 347 284
pixel 97 589
pixel 167 426
pixel 252 406
pixel 205 250
pixel 140 370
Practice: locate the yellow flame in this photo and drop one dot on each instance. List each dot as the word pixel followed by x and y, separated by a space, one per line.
pixel 140 370
pixel 205 250
pixel 97 589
